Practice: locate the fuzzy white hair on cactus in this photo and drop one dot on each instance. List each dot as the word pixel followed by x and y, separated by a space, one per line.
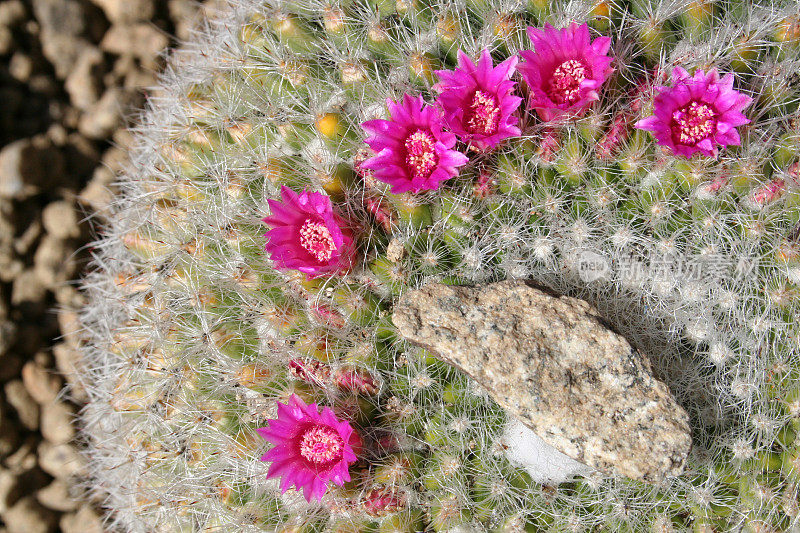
pixel 197 328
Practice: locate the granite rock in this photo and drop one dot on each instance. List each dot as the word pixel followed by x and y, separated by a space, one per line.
pixel 23 460
pixel 54 262
pixel 64 26
pixel 28 289
pixel 9 433
pixel 62 50
pixel 62 16
pixel 68 361
pixel 21 67
pixel 6 40
pixel 553 363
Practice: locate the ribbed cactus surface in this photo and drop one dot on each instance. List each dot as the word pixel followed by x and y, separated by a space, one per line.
pixel 194 337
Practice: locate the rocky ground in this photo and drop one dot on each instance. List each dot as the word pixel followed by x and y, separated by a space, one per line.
pixel 72 72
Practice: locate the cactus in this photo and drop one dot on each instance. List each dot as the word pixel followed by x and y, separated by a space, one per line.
pixel 194 335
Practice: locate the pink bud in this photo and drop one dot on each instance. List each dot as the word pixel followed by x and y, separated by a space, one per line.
pixel 549 145
pixel 485 185
pixel 769 192
pixel 328 316
pixel 616 135
pixel 379 208
pixel 383 501
pixel 356 380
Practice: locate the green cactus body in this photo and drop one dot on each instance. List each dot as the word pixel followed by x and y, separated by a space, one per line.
pixel 192 336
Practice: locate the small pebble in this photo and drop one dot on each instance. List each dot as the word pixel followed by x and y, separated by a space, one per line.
pixel 42 384
pixel 26 409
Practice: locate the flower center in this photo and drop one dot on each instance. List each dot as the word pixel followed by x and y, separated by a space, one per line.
pixel 484 114
pixel 321 445
pixel 316 238
pixel 565 83
pixel 420 154
pixel 693 122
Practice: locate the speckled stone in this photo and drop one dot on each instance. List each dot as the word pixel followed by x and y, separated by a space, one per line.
pixel 552 362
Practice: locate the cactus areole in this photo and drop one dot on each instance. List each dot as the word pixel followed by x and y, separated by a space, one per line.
pixel 308 166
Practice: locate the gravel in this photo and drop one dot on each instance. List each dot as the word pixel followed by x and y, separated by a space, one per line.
pixel 29 516
pixel 61 461
pixel 71 72
pixel 41 384
pixel 86 520
pixel 26 166
pixel 25 407
pixel 56 496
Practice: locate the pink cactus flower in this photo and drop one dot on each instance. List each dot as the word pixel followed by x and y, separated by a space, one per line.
pixel 307 235
pixel 478 100
pixel 697 114
pixel 311 449
pixel 413 152
pixel 566 70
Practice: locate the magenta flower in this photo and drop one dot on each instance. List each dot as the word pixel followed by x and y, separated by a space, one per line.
pixel 413 153
pixel 477 100
pixel 311 448
pixel 697 113
pixel 566 71
pixel 307 235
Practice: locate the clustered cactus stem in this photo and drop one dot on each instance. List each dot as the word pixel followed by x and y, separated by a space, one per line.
pixel 642 155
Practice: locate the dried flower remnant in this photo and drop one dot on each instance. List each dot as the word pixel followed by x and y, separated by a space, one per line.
pixel 312 448
pixel 697 114
pixel 307 235
pixel 565 72
pixel 478 101
pixel 414 153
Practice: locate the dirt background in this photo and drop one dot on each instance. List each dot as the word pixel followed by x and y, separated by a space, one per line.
pixel 72 75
